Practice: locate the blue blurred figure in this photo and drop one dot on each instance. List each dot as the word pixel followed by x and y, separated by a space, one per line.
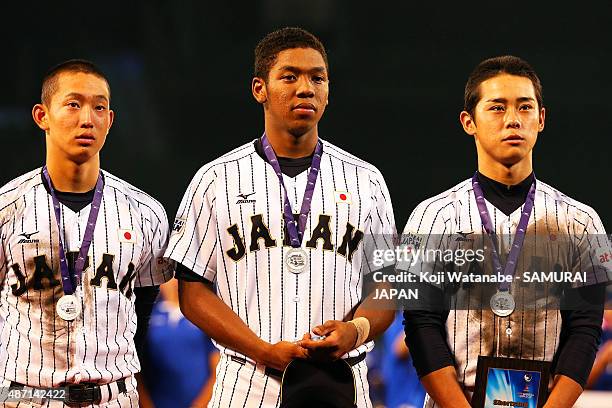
pixel 180 359
pixel 402 385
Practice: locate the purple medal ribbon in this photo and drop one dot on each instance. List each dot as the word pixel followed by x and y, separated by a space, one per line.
pixel 87 236
pixel 519 235
pixel 296 233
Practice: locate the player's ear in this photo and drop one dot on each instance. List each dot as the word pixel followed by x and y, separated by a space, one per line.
pixel 258 87
pixel 541 119
pixel 39 114
pixel 468 123
pixel 111 118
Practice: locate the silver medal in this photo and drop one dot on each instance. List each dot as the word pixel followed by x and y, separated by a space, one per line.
pixel 296 260
pixel 68 307
pixel 502 304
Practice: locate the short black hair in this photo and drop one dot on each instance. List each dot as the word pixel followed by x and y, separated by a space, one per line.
pixel 49 82
pixel 286 38
pixel 489 68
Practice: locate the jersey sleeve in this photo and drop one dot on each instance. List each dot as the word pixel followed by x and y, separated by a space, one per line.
pixel 155 269
pixel 382 235
pixel 593 252
pixel 193 241
pixel 425 235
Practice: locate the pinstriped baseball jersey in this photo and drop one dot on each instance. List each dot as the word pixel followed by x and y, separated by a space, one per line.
pixel 39 348
pixel 568 232
pixel 229 229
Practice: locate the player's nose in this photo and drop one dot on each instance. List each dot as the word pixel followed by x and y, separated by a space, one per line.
pixel 305 89
pixel 86 117
pixel 512 119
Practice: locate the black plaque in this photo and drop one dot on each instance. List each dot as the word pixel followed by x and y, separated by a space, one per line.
pixel 510 382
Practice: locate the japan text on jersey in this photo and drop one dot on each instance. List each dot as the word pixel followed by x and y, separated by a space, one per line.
pixel 230 229
pixel 38 347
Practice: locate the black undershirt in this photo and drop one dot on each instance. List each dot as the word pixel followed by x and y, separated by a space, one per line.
pixel 503 197
pixel 290 167
pixel 580 330
pixel 145 296
pixel 75 201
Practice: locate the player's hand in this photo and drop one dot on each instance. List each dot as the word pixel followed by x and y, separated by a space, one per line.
pixel 280 354
pixel 340 337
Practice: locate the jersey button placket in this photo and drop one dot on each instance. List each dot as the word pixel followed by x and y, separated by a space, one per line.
pixel 294 307
pixel 79 225
pixel 294 285
pixel 509 325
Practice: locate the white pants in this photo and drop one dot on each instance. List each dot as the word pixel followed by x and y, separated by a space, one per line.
pixel 245 386
pixel 114 399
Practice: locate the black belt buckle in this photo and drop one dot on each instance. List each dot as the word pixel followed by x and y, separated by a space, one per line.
pixel 82 393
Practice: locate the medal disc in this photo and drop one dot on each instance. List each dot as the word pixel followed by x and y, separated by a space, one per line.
pixel 296 260
pixel 502 304
pixel 68 307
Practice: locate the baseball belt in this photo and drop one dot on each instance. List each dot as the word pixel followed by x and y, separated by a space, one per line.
pixel 83 393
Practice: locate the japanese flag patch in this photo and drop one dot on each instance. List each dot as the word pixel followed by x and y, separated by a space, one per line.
pixel 343 197
pixel 127 236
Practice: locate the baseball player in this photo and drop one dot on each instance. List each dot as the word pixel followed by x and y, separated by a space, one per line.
pixel 269 237
pixel 503 111
pixel 75 243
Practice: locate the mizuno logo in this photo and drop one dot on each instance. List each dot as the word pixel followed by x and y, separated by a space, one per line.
pixel 244 198
pixel 27 238
pixel 464 236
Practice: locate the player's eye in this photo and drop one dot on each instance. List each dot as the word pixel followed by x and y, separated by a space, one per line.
pixel 497 108
pixel 73 104
pixel 289 77
pixel 101 108
pixel 318 79
pixel 526 107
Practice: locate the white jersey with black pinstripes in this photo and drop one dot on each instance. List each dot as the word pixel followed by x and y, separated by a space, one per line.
pixel 451 219
pixel 230 229
pixel 39 348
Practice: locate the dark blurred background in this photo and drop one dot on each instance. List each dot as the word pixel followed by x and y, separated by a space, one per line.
pixel 180 74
